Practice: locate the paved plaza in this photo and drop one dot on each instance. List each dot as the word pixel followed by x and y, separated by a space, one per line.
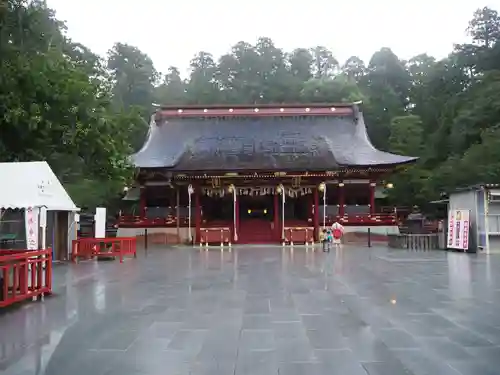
pixel 262 311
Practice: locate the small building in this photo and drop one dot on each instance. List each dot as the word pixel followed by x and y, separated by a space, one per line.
pixel 483 202
pixel 259 172
pixel 33 185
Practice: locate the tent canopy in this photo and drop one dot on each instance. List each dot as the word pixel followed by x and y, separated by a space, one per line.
pixel 32 184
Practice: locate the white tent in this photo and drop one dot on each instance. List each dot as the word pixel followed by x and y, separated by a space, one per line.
pixel 32 184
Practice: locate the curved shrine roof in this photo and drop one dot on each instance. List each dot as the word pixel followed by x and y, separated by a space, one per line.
pixel 312 139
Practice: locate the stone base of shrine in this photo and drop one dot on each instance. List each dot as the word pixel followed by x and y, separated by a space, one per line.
pixel 353 234
pixel 360 234
pixel 157 235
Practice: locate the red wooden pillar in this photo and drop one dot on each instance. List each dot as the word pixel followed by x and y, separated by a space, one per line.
pixel 372 197
pixel 316 213
pixel 341 199
pixel 197 205
pixel 277 225
pixel 142 201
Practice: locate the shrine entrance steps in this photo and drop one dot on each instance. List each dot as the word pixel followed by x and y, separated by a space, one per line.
pixel 256 231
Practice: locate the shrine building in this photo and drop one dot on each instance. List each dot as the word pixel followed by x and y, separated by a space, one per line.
pixel 259 174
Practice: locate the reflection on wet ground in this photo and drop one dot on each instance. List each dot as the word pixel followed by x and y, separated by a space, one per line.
pixel 263 310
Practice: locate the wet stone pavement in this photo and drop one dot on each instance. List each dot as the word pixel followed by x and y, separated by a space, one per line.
pixel 263 311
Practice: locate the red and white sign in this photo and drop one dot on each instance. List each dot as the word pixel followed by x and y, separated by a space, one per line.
pixel 31 223
pixel 458 229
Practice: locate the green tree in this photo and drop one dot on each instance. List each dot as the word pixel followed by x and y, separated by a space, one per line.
pixel 354 68
pixel 273 73
pixel 240 74
pixel 55 101
pixel 134 77
pixel 173 89
pixel 62 103
pixel 202 87
pixel 406 135
pixel 301 61
pixel 484 28
pixel 324 63
pixel 339 89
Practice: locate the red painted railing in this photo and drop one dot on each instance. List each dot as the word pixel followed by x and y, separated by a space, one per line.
pixel 24 274
pixel 150 222
pixel 350 219
pixel 303 235
pixel 215 235
pixel 362 219
pixel 88 248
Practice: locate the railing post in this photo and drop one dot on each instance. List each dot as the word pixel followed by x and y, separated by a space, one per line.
pixel 15 279
pixel 48 271
pixel 74 249
pixel 39 279
pixel 24 276
pixel 4 282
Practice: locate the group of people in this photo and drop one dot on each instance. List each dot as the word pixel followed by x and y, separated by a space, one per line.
pixel 332 235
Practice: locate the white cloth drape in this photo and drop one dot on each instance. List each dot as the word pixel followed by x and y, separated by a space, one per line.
pixel 190 192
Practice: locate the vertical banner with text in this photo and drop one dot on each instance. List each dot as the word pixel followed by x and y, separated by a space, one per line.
pixel 458 229
pixel 31 225
pixel 100 222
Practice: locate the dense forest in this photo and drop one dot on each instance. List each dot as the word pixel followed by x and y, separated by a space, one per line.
pixel 85 113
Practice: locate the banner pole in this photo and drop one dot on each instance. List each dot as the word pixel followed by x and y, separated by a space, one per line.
pixel 486 222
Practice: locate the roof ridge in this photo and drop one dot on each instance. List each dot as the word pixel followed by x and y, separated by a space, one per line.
pixel 257 105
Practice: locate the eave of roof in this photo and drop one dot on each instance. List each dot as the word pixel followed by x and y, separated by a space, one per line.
pixel 475 187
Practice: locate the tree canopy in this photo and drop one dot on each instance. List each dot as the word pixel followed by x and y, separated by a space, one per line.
pixel 86 113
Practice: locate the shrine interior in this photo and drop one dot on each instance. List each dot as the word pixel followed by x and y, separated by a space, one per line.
pixel 161 202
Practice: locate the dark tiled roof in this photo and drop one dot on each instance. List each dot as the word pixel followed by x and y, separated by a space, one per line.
pixel 262 143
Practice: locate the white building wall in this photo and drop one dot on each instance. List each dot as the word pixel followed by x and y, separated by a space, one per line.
pixel 494 221
pixel 466 200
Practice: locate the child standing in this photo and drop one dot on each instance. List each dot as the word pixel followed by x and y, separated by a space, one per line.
pixel 326 239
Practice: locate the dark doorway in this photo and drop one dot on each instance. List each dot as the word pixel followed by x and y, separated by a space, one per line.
pixel 256 219
pixel 298 209
pixel 259 207
pixel 61 236
pixel 217 209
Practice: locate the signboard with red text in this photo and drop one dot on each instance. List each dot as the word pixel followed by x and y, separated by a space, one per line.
pixel 31 225
pixel 458 229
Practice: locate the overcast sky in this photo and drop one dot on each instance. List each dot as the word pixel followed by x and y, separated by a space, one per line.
pixel 172 31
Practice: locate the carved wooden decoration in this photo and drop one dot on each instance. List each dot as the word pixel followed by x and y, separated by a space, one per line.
pixel 216 182
pixel 296 182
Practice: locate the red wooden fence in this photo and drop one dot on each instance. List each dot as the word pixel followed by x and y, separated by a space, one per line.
pixel 299 235
pixel 24 274
pixel 215 236
pixel 88 248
